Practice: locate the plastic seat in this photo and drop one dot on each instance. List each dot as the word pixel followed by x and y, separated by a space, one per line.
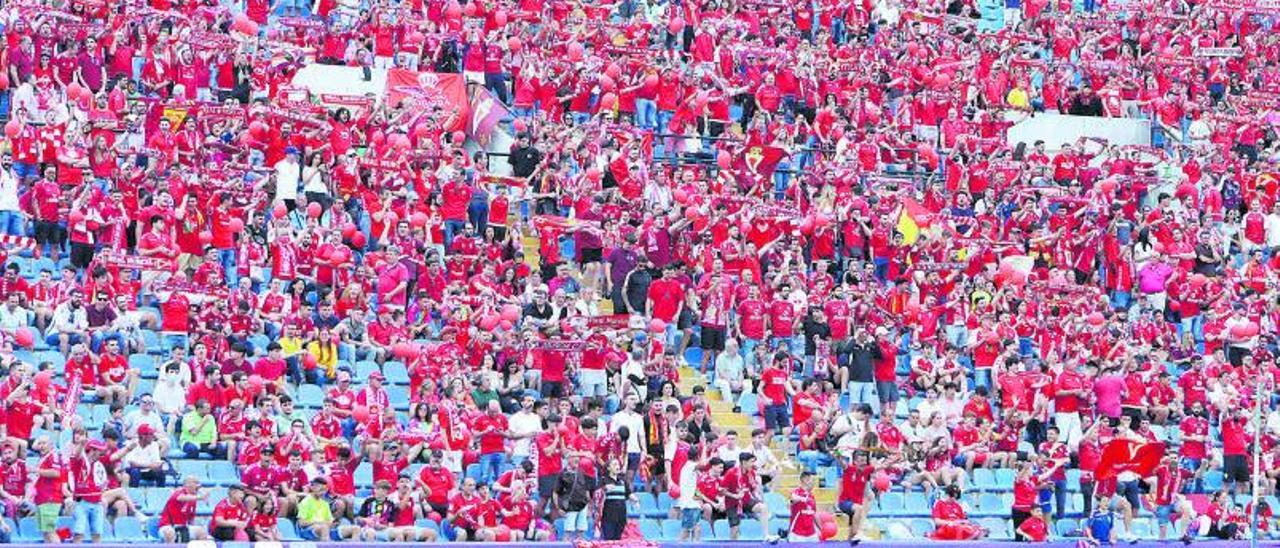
pixel 749 404
pixel 364 369
pixel 128 529
pixel 396 372
pixel 1142 528
pixel 223 473
pixel 475 472
pixel 1213 481
pixel 364 475
pixel 399 396
pixel 28 530
pixel 721 529
pixel 670 529
pixel 1067 527
pixel 990 504
pixel 216 495
pixel 997 527
pixel 1004 479
pixel 287 531
pixel 151 341
pixel 648 505
pixel 920 527
pixel 891 504
pixel 195 468
pixel 310 395
pixel 665 502
pixel 984 479
pixel 651 529
pixel 146 365
pixel 917 504
pixel 1073 479
pixel 777 504
pixel 750 530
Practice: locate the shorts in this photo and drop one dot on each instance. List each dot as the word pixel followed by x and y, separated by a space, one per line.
pixel 734 515
pixel 887 391
pixel 713 338
pixel 47 232
pixel 593 383
pixel 1235 468
pixel 689 518
pixel 576 521
pixel 307 534
pixel 633 461
pixel 775 417
pixel 47 517
pixel 1164 512
pixel 553 389
pixel 547 486
pixel 592 255
pixel 846 507
pixel 90 519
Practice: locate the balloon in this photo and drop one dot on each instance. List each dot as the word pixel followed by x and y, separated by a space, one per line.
pixel 406 350
pixel 942 81
pixel 23 337
pixel 453 11
pixel 349 230
pixel 680 196
pixel 360 413
pixel 607 83
pixel 651 80
pixel 490 322
pixel 236 225
pixel 434 516
pixel 244 25
pixel 75 91
pixel 674 492
pixel 574 51
pixel 593 174
pixel 314 210
pixel 514 44
pixel 418 219
pixel 519 125
pixel 1096 319
pixel 827 530
pixel 510 313
pixel 470 9
pixel 4 81
pixel 43 379
pixel 506 325
pixel 1198 280
pixel 11 128
pixel 675 26
pixel 255 383
pixel 458 137
pixel 280 210
pixel 723 159
pixel 500 18
pixel 609 101
pixel 502 533
pixel 206 237
pixel 881 482
pixel 358 240
pixel 309 361
pixel 613 71
pixel 657 326
pixel 377 137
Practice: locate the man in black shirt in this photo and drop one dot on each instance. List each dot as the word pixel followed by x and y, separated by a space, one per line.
pixel 524 157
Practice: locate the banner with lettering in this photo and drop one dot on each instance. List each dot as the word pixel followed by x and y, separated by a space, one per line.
pixel 430 90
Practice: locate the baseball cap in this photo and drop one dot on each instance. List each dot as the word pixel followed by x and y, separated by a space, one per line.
pixel 146 430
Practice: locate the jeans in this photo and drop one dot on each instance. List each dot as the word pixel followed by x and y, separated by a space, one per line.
pixel 478 215
pixel 217 451
pixel 489 465
pixel 89 519
pixel 646 113
pixel 864 392
pixel 228 259
pixel 139 475
pixel 12 223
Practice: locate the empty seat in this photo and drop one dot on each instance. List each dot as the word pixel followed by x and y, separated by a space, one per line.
pixel 670 529
pixel 750 530
pixel 984 479
pixel 1004 479
pixel 720 529
pixel 777 504
pixel 648 506
pixel 365 368
pixel 917 504
pixel 396 372
pixel 310 395
pixel 651 529
pixel 223 473
pixel 890 504
pixel 128 529
pixel 920 527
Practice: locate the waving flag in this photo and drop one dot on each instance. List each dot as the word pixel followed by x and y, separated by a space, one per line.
pixel 1122 455
pixel 757 163
pixel 911 219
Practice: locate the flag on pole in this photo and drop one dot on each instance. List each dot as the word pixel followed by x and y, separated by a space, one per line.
pixel 911 219
pixel 1122 455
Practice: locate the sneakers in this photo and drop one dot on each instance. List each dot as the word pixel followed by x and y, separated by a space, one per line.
pixel 1130 538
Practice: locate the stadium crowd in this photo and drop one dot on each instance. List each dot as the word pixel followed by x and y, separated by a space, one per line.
pixel 297 319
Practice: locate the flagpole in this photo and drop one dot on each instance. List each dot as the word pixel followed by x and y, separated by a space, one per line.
pixel 1257 465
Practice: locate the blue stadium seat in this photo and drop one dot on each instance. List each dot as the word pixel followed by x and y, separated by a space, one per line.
pixel 830 476
pixel 984 479
pixel 287 531
pixel 364 368
pixel 1143 528
pixel 187 467
pixel 28 531
pixel 396 372
pixel 1004 479
pixel 670 529
pixel 146 365
pixel 890 504
pixel 998 528
pixel 750 530
pixel 650 529
pixel 1213 481
pixel 260 343
pixel 1073 479
pixel 990 504
pixel 778 505
pixel 310 395
pixel 720 529
pixel 920 527
pixel 665 502
pixel 1067 527
pixel 128 529
pixel 151 341
pixel 475 472
pixel 917 504
pixel 216 495
pixel 364 475
pixel 649 506
pixel 223 473
pixel 399 396
pixel 749 404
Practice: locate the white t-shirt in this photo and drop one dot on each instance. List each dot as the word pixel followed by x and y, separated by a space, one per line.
pixel 523 423
pixel 287 176
pixel 635 425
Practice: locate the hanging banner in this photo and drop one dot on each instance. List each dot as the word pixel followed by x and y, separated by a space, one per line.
pixel 430 90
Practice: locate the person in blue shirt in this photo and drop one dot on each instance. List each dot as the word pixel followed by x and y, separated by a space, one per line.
pixel 1099 529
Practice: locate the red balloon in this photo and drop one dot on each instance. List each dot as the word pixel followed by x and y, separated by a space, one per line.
pixel 881 482
pixel 205 237
pixel 489 322
pixel 349 230
pixel 514 44
pixel 519 124
pixel 500 18
pixel 309 361
pixel 680 196
pixel 651 80
pixel 593 174
pixel 607 83
pixel 674 492
pixel 609 101
pixel 458 137
pixel 723 159
pixel 1095 319
pixel 377 137
pixel 613 71
pixel 502 533
pixel 360 413
pixel 506 325
pixel 470 9
pixel 418 219
pixel 827 530
pixel 24 338
pixel 657 326
pixel 314 210
pixel 453 11
pixel 434 516
pixel 574 52
pixel 511 313
pixel 11 128
pixel 236 225
pixel 244 25
pixel 675 26
pixel 406 351
pixel 4 81
pixel 358 240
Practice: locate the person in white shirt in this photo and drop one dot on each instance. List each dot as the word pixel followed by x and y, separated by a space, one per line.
pixel 12 314
pixel 628 417
pixel 523 426
pixel 729 451
pixel 288 174
pixel 11 219
pixel 70 323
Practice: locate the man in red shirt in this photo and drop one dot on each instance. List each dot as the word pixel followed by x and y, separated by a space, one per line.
pixel 804 522
pixel 89 476
pixel 230 517
pixel 437 482
pixel 492 431
pixel 116 381
pixel 176 523
pixel 776 387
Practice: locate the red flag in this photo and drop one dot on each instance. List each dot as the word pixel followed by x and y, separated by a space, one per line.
pixel 429 89
pixel 757 163
pixel 1122 455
